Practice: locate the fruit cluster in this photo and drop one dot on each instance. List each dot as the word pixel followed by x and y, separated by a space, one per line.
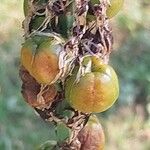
pixel 64 61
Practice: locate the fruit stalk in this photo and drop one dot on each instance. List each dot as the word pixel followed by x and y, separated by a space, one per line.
pixel 64 59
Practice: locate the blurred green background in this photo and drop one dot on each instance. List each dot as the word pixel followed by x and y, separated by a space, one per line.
pixel 126 124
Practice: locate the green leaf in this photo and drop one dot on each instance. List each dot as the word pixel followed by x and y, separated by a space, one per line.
pixel 68 114
pixel 62 132
pixel 61 107
pixel 65 23
pixel 48 145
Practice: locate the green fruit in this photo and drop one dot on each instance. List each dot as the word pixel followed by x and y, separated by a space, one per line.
pixel 96 91
pixel 114 8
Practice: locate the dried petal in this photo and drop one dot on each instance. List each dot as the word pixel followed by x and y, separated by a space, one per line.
pixel 33 93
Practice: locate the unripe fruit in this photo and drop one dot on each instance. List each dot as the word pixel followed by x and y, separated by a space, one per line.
pixel 114 8
pixel 96 91
pixel 39 55
pixel 92 136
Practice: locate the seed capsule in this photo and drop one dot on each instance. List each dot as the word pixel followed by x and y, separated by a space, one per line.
pixel 96 91
pixel 39 55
